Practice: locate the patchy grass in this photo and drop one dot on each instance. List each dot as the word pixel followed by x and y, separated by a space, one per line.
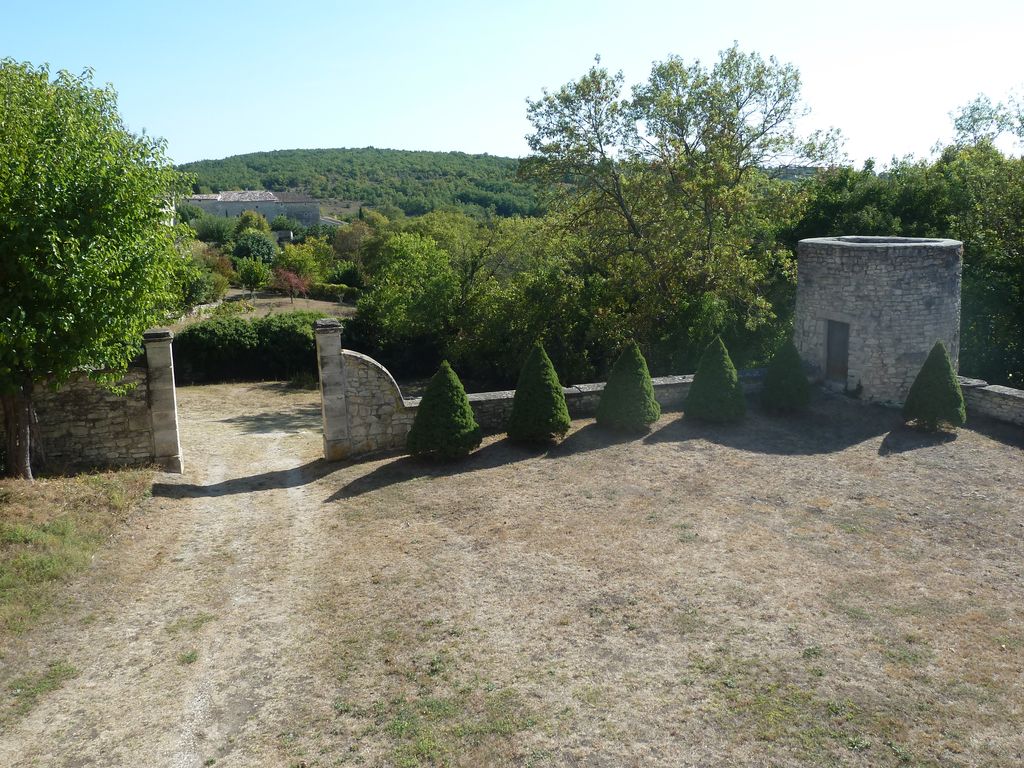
pixel 190 622
pixel 26 691
pixel 787 592
pixel 188 657
pixel 49 531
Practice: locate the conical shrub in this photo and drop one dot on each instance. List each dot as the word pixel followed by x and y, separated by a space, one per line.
pixel 935 397
pixel 539 413
pixel 785 385
pixel 444 426
pixel 627 402
pixel 715 394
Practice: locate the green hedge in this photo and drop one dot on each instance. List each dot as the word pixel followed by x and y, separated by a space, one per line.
pixel 272 348
pixel 333 292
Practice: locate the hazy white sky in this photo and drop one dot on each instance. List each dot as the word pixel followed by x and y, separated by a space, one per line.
pixel 218 78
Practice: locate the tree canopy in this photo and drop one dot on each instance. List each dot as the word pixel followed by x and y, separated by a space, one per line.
pixel 85 245
pixel 674 191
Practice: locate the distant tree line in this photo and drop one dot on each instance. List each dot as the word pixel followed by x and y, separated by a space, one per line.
pixel 391 180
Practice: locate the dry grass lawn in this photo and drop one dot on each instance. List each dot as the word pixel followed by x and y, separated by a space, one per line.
pixel 830 590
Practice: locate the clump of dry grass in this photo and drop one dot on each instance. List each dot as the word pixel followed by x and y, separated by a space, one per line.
pixel 49 530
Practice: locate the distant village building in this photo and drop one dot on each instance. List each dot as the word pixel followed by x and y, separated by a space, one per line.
pixel 302 208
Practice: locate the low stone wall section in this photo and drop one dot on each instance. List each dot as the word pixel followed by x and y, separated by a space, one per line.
pixel 996 402
pixel 493 409
pixel 84 425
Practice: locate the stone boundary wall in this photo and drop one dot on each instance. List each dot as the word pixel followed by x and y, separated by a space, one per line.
pixel 493 409
pixel 84 425
pixel 364 411
pixel 996 402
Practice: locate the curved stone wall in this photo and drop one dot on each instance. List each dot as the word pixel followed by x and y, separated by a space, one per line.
pixel 891 297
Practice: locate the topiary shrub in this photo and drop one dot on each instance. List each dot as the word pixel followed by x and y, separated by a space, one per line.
pixel 935 397
pixel 539 413
pixel 627 402
pixel 785 385
pixel 715 394
pixel 444 426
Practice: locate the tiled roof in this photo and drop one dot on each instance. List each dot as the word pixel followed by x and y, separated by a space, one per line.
pixel 255 196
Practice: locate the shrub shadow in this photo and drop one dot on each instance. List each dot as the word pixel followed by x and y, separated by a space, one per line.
pixel 592 437
pixel 404 468
pixel 832 423
pixel 265 481
pixel 907 438
pixel 293 420
pixel 1000 431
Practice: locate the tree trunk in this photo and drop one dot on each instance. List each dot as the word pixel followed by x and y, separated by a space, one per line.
pixel 17 405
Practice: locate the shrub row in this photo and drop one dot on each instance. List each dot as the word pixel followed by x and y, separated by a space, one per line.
pixel 445 427
pixel 272 348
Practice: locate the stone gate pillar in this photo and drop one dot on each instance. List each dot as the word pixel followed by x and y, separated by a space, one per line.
pixel 332 389
pixel 163 404
pixel 363 408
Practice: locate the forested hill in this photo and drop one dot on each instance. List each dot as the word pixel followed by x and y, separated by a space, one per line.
pixel 416 182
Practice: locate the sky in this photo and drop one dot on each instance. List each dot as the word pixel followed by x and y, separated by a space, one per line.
pixel 221 77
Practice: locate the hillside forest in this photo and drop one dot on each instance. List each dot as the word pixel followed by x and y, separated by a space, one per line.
pixel 666 214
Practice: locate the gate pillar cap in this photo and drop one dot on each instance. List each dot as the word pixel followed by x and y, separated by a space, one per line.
pixel 327 325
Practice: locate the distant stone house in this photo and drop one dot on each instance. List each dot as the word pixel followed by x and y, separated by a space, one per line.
pixel 302 208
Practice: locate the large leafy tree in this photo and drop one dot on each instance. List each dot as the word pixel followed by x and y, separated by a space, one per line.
pixel 677 188
pixel 85 247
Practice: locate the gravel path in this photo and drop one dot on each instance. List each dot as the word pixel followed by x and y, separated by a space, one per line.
pixel 218 568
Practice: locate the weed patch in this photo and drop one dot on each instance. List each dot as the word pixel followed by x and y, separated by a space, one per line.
pixel 49 531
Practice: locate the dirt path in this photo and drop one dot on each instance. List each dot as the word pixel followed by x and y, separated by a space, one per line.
pixel 188 641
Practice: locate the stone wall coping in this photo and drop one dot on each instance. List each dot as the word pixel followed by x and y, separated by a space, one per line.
pixel 746 375
pixel 968 383
pixel 871 243
pixel 999 389
pixel 158 334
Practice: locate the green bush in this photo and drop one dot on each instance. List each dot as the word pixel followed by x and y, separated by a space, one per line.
pixel 444 426
pixel 272 348
pixel 214 229
pixel 785 382
pixel 282 222
pixel 346 273
pixel 218 349
pixel 539 413
pixel 715 394
pixel 251 220
pixel 327 291
pixel 627 402
pixel 255 245
pixel 253 274
pixel 935 397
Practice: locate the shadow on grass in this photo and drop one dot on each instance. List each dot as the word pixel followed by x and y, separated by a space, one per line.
pixel 906 438
pixel 831 424
pixel 306 417
pixel 265 481
pixel 1000 431
pixel 591 438
pixel 404 468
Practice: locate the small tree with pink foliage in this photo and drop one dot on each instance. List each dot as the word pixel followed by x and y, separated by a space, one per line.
pixel 291 283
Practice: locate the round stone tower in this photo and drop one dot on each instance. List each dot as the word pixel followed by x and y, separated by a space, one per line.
pixel 869 309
